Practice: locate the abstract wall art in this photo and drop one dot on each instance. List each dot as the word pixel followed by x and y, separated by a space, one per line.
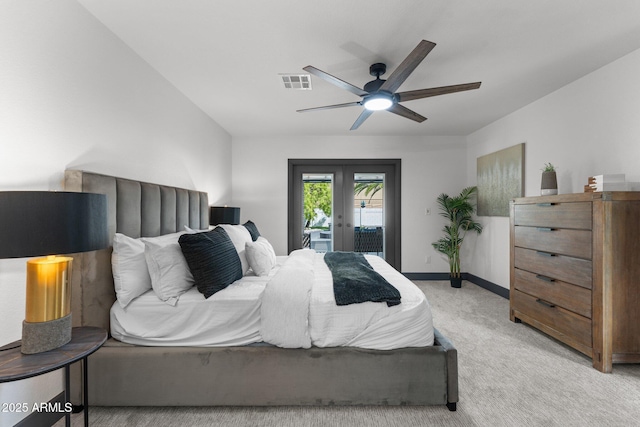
pixel 500 179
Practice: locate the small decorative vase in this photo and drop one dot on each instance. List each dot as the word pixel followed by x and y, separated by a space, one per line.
pixel 549 184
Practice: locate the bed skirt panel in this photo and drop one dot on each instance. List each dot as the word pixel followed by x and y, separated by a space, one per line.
pixel 125 375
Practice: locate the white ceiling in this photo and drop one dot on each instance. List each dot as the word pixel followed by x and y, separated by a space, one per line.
pixel 226 55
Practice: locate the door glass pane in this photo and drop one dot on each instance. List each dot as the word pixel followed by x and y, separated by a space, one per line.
pixel 368 213
pixel 317 211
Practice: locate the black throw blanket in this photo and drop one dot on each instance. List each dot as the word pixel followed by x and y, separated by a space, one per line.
pixel 355 281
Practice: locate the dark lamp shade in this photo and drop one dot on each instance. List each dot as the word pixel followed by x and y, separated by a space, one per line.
pixel 37 223
pixel 224 215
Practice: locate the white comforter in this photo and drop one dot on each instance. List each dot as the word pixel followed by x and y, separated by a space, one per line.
pixel 293 307
pixel 299 310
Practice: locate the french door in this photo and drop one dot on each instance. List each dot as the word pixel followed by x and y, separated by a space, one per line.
pixel 345 205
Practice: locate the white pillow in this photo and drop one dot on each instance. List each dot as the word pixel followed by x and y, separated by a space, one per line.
pixel 261 256
pixel 165 239
pixel 130 271
pixel 130 274
pixel 170 274
pixel 239 236
pixel 193 230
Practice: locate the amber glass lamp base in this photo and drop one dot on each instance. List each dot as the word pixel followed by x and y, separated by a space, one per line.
pixel 47 323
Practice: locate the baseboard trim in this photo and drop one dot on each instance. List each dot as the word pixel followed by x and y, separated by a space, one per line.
pixel 427 276
pixel 490 286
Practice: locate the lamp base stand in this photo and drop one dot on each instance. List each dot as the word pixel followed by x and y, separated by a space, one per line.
pixel 38 337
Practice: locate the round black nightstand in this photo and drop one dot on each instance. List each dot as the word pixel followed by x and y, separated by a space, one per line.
pixel 16 366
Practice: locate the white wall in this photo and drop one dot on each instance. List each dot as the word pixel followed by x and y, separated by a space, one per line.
pixel 74 96
pixel 586 128
pixel 589 127
pixel 430 166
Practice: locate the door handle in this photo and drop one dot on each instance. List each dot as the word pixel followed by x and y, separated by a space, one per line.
pixel 339 224
pixel 348 225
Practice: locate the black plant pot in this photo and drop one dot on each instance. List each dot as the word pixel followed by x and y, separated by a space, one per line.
pixel 456 282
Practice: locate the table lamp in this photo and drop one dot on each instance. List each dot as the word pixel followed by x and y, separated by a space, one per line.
pixel 47 223
pixel 224 215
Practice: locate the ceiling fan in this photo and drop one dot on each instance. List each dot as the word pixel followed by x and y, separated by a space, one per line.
pixel 381 94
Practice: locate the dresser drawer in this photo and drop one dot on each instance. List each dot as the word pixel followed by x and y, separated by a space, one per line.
pixel 568 325
pixel 560 267
pixel 566 295
pixel 559 215
pixel 576 243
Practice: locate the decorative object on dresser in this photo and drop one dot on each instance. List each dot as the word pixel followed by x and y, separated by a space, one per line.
pixel 37 223
pixel 549 184
pixel 458 210
pixel 610 182
pixel 575 272
pixel 224 215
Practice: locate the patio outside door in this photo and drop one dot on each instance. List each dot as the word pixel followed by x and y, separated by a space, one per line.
pixel 346 205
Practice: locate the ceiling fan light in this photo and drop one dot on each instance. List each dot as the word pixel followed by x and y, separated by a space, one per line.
pixel 378 102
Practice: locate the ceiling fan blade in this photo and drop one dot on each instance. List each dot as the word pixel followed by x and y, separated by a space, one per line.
pixel 407 66
pixel 363 116
pixel 329 107
pixel 334 80
pixel 435 91
pixel 405 112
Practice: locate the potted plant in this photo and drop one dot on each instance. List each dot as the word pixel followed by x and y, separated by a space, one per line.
pixel 549 183
pixel 458 211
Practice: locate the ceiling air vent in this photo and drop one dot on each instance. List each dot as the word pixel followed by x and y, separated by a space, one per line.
pixel 296 81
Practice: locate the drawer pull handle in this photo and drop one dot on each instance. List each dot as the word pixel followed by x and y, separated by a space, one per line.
pixel 545 303
pixel 545 229
pixel 545 278
pixel 545 253
pixel 545 204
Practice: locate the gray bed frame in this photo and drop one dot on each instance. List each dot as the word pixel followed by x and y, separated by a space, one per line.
pixel 128 375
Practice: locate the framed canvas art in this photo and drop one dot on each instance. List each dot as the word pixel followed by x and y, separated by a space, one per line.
pixel 500 179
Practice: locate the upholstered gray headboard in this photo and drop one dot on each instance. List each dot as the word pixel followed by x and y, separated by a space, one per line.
pixel 137 209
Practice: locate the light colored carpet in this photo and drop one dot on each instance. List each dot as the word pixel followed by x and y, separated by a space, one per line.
pixel 510 375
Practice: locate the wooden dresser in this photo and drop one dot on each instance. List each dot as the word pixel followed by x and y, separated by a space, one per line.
pixel 575 271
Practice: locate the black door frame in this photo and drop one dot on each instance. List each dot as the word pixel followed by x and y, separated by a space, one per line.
pixel 393 207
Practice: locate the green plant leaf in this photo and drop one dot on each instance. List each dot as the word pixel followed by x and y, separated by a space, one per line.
pixel 548 167
pixel 317 195
pixel 458 210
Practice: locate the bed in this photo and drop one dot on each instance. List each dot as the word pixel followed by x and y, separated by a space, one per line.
pixel 249 373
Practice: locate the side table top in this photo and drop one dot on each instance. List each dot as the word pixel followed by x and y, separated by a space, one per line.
pixel 17 366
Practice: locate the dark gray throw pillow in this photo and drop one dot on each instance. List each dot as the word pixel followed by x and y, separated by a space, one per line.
pixel 253 230
pixel 212 259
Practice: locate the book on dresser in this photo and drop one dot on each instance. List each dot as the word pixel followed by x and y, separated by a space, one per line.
pixel 575 271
